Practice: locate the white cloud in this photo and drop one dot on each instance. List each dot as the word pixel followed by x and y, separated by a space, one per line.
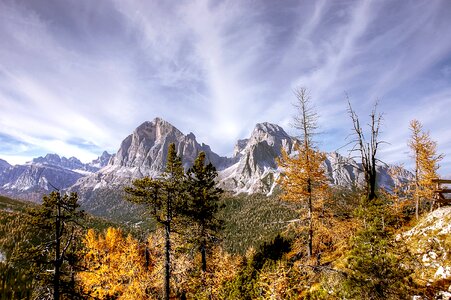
pixel 217 68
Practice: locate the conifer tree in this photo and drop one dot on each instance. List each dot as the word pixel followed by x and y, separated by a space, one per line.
pixel 57 222
pixel 303 179
pixel 378 265
pixel 116 267
pixel 426 162
pixel 163 197
pixel 202 205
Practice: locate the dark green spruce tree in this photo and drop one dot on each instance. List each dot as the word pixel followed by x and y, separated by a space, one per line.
pixel 202 205
pixel 54 257
pixel 163 197
pixel 379 266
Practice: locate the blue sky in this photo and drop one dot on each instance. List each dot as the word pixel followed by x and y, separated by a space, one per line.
pixel 76 77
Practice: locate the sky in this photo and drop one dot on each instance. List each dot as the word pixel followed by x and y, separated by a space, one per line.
pixel 77 77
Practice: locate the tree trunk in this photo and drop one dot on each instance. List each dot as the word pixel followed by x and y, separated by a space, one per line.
pixel 167 274
pixel 310 220
pixel 57 262
pixel 372 175
pixel 204 256
pixel 167 225
pixel 417 186
pixel 372 194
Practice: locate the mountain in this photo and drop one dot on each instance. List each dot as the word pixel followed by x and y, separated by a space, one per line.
pixel 4 165
pixel 44 174
pixel 255 169
pixel 33 180
pixel 251 169
pixel 143 153
pixel 101 161
pixel 73 163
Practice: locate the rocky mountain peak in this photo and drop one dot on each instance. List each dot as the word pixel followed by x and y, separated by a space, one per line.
pixel 101 161
pixel 50 158
pixel 239 147
pixel 269 128
pixel 143 153
pixel 271 133
pixel 4 165
pixel 256 156
pixel 147 142
pixel 191 136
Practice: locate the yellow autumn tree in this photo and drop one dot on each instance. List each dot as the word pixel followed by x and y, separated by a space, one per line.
pixel 209 283
pixel 118 267
pixel 303 179
pixel 424 152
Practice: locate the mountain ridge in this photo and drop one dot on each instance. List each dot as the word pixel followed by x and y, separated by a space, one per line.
pixel 251 169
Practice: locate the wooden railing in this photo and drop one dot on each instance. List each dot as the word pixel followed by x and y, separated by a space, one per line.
pixel 440 193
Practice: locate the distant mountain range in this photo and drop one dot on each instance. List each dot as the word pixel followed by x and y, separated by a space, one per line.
pixel 251 169
pixel 44 174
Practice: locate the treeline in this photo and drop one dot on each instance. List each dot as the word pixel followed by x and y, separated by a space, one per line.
pixel 332 243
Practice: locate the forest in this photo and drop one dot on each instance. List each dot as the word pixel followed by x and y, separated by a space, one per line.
pixel 308 240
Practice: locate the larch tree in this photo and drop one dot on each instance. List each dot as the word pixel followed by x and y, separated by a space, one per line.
pixel 163 198
pixel 116 267
pixel 424 152
pixel 203 204
pixel 303 179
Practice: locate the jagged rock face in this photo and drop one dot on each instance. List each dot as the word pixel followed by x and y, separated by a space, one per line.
pixel 42 174
pixel 256 167
pixel 239 147
pixel 73 163
pixel 143 153
pixel 147 146
pixel 251 169
pixel 101 161
pixel 31 181
pixel 4 165
pixel 343 171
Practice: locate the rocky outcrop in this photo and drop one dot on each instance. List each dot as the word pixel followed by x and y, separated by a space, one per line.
pixel 73 163
pixel 429 240
pixel 251 169
pixel 101 161
pixel 143 153
pixel 255 169
pixel 4 165
pixel 43 174
pixel 34 180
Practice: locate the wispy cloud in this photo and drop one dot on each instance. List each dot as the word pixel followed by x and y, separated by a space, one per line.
pixel 77 77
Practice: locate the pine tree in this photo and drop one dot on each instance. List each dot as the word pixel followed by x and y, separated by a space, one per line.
pixel 163 197
pixel 378 265
pixel 57 222
pixel 202 205
pixel 303 179
pixel 426 162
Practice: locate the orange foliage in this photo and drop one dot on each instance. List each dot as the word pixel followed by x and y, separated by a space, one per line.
pixel 116 267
